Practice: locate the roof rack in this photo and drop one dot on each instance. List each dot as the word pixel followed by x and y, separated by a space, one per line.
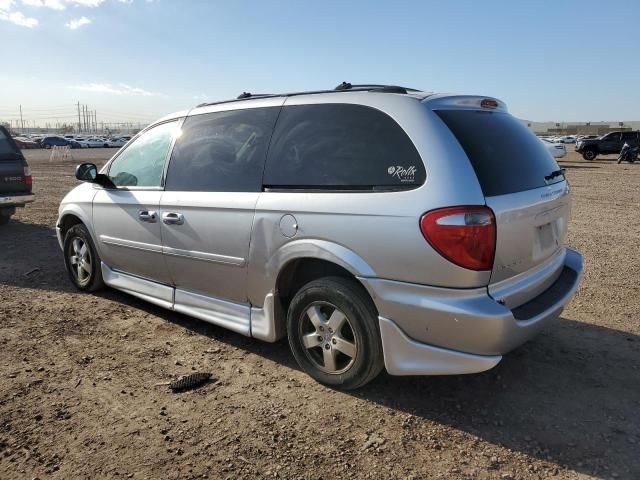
pixel 374 88
pixel 343 87
pixel 244 95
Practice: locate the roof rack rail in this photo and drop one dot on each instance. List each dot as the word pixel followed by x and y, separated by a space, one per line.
pixel 244 95
pixel 343 87
pixel 374 87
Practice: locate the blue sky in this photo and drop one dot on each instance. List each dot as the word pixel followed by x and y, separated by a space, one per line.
pixel 140 59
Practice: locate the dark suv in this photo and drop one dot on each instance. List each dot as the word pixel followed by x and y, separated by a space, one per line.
pixel 15 177
pixel 49 142
pixel 608 144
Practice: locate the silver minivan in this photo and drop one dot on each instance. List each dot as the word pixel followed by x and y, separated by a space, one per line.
pixel 374 226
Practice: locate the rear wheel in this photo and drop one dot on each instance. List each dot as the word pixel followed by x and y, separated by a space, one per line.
pixel 589 154
pixel 4 219
pixel 333 333
pixel 82 260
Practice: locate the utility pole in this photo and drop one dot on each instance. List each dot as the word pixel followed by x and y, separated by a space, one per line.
pixel 21 121
pixel 79 124
pixel 95 121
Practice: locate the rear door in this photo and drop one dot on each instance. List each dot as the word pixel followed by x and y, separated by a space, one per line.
pixel 12 166
pixel 631 138
pixel 213 183
pixel 522 184
pixel 611 143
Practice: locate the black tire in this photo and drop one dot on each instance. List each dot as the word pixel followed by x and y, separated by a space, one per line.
pixel 589 154
pixel 4 219
pixel 88 277
pixel 359 331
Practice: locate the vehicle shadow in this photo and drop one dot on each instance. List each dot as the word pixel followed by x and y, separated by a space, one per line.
pixel 570 396
pixel 30 257
pixel 564 165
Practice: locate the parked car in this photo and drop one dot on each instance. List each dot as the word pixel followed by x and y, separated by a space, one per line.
pixel 557 150
pixel 93 142
pixel 568 139
pixel 382 233
pixel 116 142
pixel 26 143
pixel 15 177
pixel 48 142
pixel 607 144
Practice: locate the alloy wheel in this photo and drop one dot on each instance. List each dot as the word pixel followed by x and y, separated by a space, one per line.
pixel 328 338
pixel 80 261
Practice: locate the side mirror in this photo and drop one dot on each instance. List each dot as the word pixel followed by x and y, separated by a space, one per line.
pixel 87 172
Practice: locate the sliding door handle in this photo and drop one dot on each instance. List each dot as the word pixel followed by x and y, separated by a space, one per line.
pixel 172 218
pixel 148 216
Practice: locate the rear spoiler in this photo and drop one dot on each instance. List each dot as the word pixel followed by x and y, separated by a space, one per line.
pixel 468 102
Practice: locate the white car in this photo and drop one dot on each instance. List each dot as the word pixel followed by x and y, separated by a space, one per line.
pixel 93 142
pixel 117 142
pixel 557 150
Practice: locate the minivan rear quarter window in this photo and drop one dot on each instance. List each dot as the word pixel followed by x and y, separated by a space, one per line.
pixel 341 147
pixel 505 155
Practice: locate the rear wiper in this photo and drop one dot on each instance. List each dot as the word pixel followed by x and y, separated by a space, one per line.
pixel 554 174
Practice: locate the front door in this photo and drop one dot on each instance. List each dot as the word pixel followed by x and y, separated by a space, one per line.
pixel 126 219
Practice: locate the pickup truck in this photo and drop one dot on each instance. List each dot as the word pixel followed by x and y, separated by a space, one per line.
pixel 611 143
pixel 15 177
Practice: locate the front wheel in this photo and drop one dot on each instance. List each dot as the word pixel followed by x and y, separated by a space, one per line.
pixel 4 219
pixel 589 154
pixel 333 331
pixel 82 260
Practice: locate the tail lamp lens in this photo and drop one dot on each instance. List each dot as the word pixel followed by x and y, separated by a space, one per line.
pixel 465 236
pixel 28 179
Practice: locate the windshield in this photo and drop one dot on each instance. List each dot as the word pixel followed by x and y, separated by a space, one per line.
pixel 506 156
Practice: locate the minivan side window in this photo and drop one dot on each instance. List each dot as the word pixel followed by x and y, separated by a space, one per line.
pixel 141 164
pixel 341 147
pixel 222 151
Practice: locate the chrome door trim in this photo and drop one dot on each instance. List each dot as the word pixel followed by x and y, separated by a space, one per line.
pixel 207 257
pixel 121 242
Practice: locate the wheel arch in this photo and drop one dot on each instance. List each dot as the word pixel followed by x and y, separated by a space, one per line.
pixel 296 264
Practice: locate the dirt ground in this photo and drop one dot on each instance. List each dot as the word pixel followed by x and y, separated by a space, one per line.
pixel 79 373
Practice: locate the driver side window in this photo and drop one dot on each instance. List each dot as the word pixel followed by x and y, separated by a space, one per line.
pixel 141 164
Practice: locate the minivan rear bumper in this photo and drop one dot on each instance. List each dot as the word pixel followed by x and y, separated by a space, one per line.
pixel 439 331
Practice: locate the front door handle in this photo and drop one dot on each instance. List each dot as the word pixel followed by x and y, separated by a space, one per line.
pixel 148 216
pixel 172 218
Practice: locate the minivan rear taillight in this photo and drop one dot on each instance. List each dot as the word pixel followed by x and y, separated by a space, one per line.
pixel 465 236
pixel 28 179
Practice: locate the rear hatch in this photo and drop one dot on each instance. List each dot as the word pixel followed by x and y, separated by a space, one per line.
pixel 15 177
pixel 524 187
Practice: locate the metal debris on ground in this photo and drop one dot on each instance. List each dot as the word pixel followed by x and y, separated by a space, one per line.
pixel 187 382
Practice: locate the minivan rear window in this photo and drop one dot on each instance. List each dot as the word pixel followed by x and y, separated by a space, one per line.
pixel 341 147
pixel 505 155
